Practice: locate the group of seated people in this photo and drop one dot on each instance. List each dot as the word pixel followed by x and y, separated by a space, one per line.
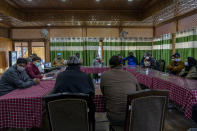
pixel 115 83
pixel 59 61
pixel 177 66
pixel 23 74
pixel 187 69
pixel 147 60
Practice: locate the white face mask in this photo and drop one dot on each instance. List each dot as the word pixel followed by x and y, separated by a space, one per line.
pixel 186 64
pixel 177 60
pixel 20 68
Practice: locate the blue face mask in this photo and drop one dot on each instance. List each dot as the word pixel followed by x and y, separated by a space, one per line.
pixel 37 64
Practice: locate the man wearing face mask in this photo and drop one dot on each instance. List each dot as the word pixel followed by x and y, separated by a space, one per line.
pixel 132 61
pixel 190 70
pixel 32 68
pixel 16 78
pixel 59 61
pixel 176 65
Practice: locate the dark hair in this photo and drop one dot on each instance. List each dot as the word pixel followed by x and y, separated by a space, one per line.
pixel 21 61
pixel 34 55
pixel 192 61
pixel 176 55
pixel 36 58
pixel 115 61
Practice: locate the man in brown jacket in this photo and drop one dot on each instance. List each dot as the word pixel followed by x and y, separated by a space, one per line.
pixel 176 65
pixel 116 83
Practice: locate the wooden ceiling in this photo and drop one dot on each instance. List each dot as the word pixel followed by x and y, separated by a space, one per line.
pixel 80 4
pixel 37 13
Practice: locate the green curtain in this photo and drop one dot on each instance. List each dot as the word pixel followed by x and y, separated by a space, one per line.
pixel 186 44
pixel 111 46
pixel 162 48
pixel 66 46
pixel 91 51
pixel 86 47
pixel 115 46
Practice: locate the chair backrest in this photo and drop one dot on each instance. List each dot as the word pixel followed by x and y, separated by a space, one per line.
pixel 146 110
pixel 161 65
pixel 68 112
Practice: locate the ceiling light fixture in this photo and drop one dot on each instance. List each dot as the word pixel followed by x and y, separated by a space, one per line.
pixel 130 0
pixel 161 19
pixel 29 0
pixel 63 0
pixel 48 24
pixel 97 0
pixel 108 24
pixel 1 19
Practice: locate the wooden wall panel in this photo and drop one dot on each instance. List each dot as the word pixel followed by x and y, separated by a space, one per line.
pixel 165 29
pixel 26 33
pixel 5 47
pixel 102 32
pixel 139 32
pixel 188 22
pixel 4 33
pixel 69 32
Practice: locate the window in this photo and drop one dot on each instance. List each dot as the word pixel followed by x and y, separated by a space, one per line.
pixel 39 49
pixel 22 49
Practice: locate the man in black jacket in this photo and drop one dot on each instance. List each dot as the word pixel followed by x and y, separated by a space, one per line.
pixel 16 78
pixel 72 80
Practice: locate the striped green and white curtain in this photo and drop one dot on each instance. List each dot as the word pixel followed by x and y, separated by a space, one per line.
pixel 87 47
pixel 111 46
pixel 162 48
pixel 138 46
pixel 90 50
pixel 66 46
pixel 186 43
pixel 114 46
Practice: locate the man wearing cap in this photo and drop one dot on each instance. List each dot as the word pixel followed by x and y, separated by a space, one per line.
pixel 176 65
pixel 59 61
pixel 72 80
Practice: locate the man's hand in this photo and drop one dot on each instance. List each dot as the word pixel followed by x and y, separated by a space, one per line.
pixel 36 80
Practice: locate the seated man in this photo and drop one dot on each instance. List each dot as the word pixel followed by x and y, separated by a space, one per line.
pixel 176 65
pixel 142 60
pixel 132 60
pixel 59 61
pixel 32 68
pixel 72 80
pixel 190 70
pixel 116 83
pixel 16 78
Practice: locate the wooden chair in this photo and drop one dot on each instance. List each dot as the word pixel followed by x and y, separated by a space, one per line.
pixel 146 111
pixel 69 112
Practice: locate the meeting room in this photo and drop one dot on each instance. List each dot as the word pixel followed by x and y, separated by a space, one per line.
pixel 98 65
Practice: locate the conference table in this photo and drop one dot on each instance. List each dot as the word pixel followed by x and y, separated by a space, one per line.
pixel 23 108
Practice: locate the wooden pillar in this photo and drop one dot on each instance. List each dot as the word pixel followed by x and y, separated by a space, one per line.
pixel 173 42
pixel 47 47
pixel 153 38
pixel 47 50
pixel 29 48
pixel 84 32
